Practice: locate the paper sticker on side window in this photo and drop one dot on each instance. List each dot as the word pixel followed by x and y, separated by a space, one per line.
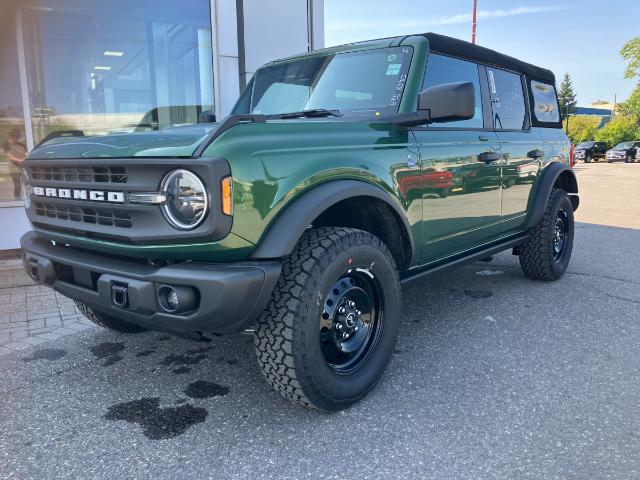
pixel 545 102
pixel 394 68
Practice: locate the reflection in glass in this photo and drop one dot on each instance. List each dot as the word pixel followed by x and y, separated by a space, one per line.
pixel 13 144
pixel 117 66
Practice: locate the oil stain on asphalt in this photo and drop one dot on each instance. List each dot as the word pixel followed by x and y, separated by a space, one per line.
pixel 108 350
pixel 478 293
pixel 145 353
pixel 157 423
pixel 50 354
pixel 189 357
pixel 204 389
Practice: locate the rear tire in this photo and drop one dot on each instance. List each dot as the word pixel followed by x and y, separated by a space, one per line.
pixel 587 159
pixel 627 159
pixel 301 349
pixel 546 255
pixel 108 322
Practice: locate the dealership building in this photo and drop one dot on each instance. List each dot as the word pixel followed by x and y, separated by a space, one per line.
pixel 103 67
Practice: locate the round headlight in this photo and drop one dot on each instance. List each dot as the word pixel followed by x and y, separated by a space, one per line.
pixel 187 199
pixel 26 189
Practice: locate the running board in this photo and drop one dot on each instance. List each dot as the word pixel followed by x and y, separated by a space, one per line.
pixel 459 262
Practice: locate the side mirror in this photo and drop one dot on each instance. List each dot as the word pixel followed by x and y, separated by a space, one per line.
pixel 448 102
pixel 442 103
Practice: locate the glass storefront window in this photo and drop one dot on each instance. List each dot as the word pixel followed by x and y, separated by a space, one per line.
pixel 99 68
pixel 13 145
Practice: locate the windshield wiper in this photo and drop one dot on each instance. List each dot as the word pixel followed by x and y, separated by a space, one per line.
pixel 316 112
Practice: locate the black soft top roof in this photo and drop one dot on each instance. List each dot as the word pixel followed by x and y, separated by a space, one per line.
pixel 460 48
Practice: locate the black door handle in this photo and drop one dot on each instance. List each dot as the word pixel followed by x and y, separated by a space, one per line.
pixel 488 157
pixel 535 154
pixel 483 138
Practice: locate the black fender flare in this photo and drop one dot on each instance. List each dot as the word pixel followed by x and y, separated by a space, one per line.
pixel 547 180
pixel 288 227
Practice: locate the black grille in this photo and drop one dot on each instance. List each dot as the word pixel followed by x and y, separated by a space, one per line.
pixel 90 174
pixel 94 216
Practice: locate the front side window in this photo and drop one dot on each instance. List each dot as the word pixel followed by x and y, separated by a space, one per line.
pixel 507 99
pixel 545 103
pixel 367 83
pixel 441 70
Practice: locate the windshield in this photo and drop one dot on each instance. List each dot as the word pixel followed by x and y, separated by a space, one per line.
pixel 586 145
pixel 366 83
pixel 623 145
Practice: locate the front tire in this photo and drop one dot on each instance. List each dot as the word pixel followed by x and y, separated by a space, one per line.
pixel 110 323
pixel 587 159
pixel 546 255
pixel 330 328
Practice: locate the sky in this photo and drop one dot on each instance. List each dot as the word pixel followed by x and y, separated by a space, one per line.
pixel 582 38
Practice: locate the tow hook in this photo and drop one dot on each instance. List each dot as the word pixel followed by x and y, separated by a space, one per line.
pixel 119 296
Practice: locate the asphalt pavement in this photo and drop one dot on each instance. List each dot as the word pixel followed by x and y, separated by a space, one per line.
pixel 494 376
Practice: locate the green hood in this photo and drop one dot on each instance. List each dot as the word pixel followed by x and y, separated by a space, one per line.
pixel 170 142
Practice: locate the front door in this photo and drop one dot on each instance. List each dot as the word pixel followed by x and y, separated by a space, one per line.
pixel 522 150
pixel 460 171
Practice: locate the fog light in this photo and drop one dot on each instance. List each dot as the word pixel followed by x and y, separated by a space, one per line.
pixel 176 299
pixel 173 301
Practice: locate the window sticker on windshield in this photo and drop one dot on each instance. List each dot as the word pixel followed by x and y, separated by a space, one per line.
pixel 394 68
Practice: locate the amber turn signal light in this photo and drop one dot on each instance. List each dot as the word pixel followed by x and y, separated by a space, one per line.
pixel 227 195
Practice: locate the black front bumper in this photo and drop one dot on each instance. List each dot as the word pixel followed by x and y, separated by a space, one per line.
pixel 228 297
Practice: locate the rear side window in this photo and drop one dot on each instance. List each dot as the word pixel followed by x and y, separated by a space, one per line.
pixel 545 103
pixel 507 99
pixel 441 69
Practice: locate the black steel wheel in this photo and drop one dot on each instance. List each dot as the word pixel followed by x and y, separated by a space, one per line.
pixel 352 320
pixel 560 233
pixel 327 335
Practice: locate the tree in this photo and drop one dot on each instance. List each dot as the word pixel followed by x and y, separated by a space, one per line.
pixel 631 53
pixel 582 128
pixel 620 129
pixel 631 108
pixel 567 97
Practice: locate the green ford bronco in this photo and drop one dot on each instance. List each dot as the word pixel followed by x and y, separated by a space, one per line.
pixel 340 174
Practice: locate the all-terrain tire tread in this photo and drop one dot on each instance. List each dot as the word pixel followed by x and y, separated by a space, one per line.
pixel 536 256
pixel 103 322
pixel 273 339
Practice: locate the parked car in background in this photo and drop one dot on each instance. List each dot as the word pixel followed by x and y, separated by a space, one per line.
pixel 591 150
pixel 623 151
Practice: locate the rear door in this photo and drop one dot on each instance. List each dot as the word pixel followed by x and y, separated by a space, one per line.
pixel 522 150
pixel 460 185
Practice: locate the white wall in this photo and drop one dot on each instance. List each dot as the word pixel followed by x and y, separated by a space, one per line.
pixel 250 33
pixel 13 224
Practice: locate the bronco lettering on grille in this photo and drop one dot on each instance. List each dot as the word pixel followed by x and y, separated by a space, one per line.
pixel 70 193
